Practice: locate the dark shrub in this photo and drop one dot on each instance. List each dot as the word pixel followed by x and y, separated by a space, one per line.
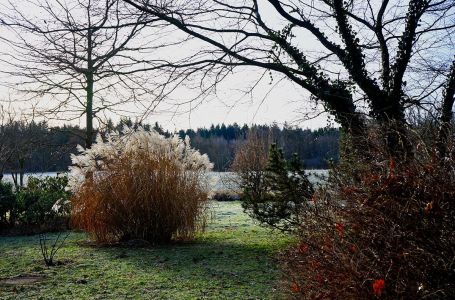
pixel 41 205
pixel 224 196
pixel 7 204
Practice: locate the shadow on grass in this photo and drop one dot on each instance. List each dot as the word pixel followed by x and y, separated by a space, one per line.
pixel 233 259
pixel 202 269
pixel 227 264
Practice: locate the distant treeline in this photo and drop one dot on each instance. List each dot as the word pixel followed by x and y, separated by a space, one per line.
pixel 315 147
pixel 37 147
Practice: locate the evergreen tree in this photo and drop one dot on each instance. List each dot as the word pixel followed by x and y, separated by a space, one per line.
pixel 287 191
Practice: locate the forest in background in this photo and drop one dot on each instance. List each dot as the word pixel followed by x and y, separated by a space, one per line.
pixel 38 147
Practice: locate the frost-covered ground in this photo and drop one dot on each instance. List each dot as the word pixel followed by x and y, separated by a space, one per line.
pixel 233 259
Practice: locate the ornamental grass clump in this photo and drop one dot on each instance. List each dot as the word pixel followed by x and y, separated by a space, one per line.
pixel 139 185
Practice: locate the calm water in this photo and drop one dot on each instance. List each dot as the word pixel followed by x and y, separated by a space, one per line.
pixel 218 180
pixel 9 178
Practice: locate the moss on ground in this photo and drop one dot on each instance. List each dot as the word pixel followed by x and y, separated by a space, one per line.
pixel 233 259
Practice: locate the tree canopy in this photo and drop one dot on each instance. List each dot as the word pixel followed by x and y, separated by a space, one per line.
pixel 381 59
pixel 80 58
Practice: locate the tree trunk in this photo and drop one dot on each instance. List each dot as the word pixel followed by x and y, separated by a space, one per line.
pixel 14 176
pixel 21 171
pixel 89 104
pixel 392 119
pixel 89 112
pixel 352 123
pixel 446 113
pixel 397 139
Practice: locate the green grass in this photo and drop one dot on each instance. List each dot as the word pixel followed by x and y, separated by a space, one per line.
pixel 233 259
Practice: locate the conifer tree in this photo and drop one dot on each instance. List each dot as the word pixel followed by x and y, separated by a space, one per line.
pixel 287 191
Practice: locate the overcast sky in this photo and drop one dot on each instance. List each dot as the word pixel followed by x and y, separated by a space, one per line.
pixel 267 104
pixel 278 101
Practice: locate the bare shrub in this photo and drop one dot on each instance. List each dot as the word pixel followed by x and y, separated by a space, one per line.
pixel 49 247
pixel 382 228
pixel 139 186
pixel 249 164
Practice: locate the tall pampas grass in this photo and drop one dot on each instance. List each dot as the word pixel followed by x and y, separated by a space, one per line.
pixel 139 185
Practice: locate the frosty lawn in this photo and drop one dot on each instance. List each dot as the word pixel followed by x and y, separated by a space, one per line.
pixel 233 259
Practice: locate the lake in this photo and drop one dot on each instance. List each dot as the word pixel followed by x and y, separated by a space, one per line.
pixel 218 180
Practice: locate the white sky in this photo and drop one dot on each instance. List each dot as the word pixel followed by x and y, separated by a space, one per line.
pixel 278 102
pixel 268 103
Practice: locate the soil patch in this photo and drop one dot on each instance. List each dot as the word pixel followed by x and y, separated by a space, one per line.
pixel 22 280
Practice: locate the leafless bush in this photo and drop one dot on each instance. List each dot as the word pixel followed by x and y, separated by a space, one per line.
pixel 250 162
pixel 49 248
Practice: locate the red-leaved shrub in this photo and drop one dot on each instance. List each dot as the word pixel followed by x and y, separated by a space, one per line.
pixel 380 229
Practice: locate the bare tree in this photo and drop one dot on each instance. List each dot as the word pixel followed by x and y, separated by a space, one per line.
pixel 5 150
pixel 18 139
pixel 80 57
pixel 381 58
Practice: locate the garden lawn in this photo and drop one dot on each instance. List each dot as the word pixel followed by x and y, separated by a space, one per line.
pixel 233 259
